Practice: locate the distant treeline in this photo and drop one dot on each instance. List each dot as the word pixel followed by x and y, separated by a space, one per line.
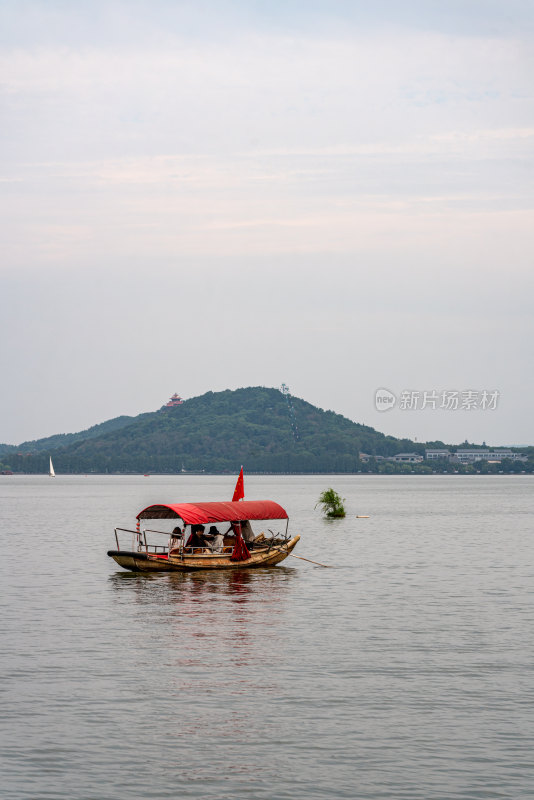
pixel 506 466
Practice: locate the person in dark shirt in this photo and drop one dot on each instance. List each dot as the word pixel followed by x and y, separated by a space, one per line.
pixel 197 537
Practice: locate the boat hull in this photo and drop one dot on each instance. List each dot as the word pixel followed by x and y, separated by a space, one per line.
pixel 147 562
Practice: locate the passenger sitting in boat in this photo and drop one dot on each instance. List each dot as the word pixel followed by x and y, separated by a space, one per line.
pixel 176 541
pixel 215 539
pixel 247 533
pixel 197 537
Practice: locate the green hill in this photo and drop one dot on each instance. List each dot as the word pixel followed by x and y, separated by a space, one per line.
pixel 215 432
pixel 65 439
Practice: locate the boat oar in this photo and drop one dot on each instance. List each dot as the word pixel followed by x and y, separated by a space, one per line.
pixel 328 566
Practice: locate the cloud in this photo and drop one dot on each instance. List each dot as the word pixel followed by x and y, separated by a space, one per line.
pixel 265 92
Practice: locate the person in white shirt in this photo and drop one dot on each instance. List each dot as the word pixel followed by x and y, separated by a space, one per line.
pixel 216 539
pixel 176 541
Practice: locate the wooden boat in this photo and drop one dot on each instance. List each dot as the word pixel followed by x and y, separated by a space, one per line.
pixel 177 554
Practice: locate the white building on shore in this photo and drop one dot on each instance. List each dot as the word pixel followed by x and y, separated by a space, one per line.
pixel 433 455
pixel 406 458
pixel 471 456
pixel 464 456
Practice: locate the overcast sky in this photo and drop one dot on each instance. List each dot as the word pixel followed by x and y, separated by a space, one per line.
pixel 213 194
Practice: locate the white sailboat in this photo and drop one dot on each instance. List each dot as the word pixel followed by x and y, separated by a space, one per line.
pixel 51 471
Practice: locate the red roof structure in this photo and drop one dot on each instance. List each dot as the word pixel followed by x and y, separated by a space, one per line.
pixel 175 400
pixel 202 513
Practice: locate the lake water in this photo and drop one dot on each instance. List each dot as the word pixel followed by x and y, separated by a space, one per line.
pixel 406 671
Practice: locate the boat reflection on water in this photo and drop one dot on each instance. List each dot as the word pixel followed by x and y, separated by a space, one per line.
pixel 237 586
pixel 203 621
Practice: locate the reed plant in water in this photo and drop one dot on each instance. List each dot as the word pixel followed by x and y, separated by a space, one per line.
pixel 331 504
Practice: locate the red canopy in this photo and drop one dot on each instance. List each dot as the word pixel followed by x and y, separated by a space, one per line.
pixel 201 513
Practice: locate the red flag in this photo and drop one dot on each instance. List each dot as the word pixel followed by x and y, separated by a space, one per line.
pixel 239 491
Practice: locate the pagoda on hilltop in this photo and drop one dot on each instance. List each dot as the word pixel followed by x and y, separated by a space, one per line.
pixel 175 400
